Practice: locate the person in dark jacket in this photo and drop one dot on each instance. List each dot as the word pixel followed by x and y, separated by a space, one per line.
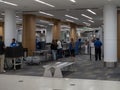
pixel 54 49
pixel 97 45
pixel 2 56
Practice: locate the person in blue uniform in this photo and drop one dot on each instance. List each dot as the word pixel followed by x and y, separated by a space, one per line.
pixel 13 44
pixel 77 46
pixel 97 45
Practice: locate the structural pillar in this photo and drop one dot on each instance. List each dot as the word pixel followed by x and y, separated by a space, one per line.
pixel 110 35
pixel 118 35
pixel 49 34
pixel 56 30
pixel 10 26
pixel 73 32
pixel 2 29
pixel 28 37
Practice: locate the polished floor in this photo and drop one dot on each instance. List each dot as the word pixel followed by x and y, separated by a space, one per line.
pixel 14 82
pixel 84 69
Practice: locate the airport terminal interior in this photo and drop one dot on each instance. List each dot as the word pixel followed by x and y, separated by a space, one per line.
pixel 59 44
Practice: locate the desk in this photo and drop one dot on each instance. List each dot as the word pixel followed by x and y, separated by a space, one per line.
pixel 15 63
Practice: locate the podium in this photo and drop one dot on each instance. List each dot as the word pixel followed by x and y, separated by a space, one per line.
pixel 15 53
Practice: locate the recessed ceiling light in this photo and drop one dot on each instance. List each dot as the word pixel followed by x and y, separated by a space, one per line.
pixel 87 24
pixel 73 1
pixel 72 17
pixel 19 19
pixel 86 16
pixel 9 3
pixel 1 18
pixel 91 21
pixel 40 25
pixel 51 24
pixel 45 13
pixel 91 11
pixel 65 26
pixel 3 14
pixel 69 20
pixel 44 3
pixel 17 16
pixel 44 21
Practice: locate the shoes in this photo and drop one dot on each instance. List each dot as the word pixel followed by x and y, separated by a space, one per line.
pixel 3 71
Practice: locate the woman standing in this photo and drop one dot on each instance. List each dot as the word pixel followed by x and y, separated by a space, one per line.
pixel 54 49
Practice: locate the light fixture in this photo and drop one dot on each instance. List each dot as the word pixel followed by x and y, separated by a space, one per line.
pixel 40 25
pixel 91 21
pixel 17 16
pixel 45 13
pixel 1 18
pixel 69 20
pixel 72 17
pixel 19 19
pixel 44 3
pixel 65 26
pixel 86 16
pixel 3 14
pixel 44 21
pixel 91 11
pixel 9 3
pixel 51 24
pixel 73 1
pixel 87 24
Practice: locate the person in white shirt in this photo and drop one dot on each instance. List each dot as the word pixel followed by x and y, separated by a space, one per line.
pixel 59 49
pixel 86 47
pixel 43 40
pixel 92 47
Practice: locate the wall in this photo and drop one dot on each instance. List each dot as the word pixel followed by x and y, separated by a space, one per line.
pixel 49 34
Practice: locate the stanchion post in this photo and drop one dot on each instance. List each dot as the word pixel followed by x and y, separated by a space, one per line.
pixel 90 53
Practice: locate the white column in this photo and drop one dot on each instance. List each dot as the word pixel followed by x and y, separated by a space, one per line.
pixel 49 34
pixel 110 33
pixel 10 26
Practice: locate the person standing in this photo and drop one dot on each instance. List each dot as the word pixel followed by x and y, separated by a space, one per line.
pixel 72 49
pixel 43 40
pixel 92 48
pixel 97 45
pixel 54 49
pixel 2 56
pixel 77 47
pixel 86 46
pixel 13 43
pixel 59 51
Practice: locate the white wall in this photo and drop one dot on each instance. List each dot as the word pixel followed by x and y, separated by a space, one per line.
pixel 49 34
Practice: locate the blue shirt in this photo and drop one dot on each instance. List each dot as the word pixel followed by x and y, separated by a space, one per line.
pixel 97 43
pixel 13 44
pixel 71 46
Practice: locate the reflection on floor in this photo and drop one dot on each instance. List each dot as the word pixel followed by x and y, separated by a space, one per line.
pixel 14 82
pixel 85 69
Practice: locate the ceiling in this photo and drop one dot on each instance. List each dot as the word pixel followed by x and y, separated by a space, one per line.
pixel 63 7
